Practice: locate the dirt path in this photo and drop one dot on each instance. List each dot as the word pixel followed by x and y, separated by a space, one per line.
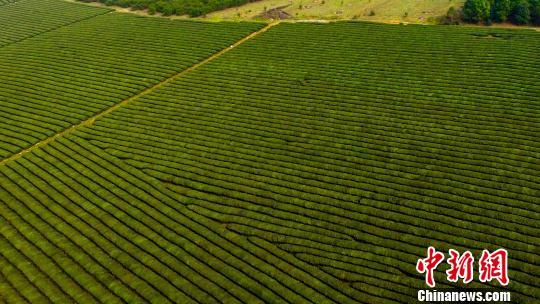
pixel 90 121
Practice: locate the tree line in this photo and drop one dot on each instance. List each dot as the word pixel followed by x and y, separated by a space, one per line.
pixel 519 12
pixel 192 8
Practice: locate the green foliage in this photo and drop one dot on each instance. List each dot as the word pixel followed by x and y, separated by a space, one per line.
pixel 535 11
pixel 40 16
pixel 517 11
pixel 193 8
pixel 165 8
pixel 500 10
pixel 152 8
pixel 116 71
pixel 335 162
pixel 312 164
pixel 476 11
pixel 453 16
pixel 521 12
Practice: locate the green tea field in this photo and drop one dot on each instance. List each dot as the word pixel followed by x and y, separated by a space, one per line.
pixel 149 160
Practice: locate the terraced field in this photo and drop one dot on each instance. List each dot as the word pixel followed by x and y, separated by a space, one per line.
pixel 310 163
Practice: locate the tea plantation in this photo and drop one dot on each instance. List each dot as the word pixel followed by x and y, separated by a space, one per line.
pixel 147 160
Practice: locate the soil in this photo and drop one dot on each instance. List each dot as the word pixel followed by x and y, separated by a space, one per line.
pixel 276 13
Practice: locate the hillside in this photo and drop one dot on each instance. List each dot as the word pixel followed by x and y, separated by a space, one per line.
pixel 387 11
pixel 178 161
pixel 393 11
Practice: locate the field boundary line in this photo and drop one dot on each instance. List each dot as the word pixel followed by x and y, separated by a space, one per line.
pixel 90 121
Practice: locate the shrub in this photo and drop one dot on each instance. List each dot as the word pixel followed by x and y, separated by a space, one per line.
pixel 476 11
pixel 501 10
pixel 521 13
pixel 453 16
pixel 535 12
pixel 151 8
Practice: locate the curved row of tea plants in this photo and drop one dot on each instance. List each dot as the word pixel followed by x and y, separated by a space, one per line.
pixel 79 225
pixel 314 163
pixel 355 147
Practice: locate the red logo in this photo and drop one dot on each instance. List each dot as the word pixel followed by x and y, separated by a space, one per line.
pixel 491 266
pixel 494 266
pixel 429 264
pixel 460 266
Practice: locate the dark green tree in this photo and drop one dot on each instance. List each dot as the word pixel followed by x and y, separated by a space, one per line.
pixel 521 12
pixel 500 10
pixel 151 8
pixel 165 8
pixel 453 16
pixel 535 12
pixel 476 11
